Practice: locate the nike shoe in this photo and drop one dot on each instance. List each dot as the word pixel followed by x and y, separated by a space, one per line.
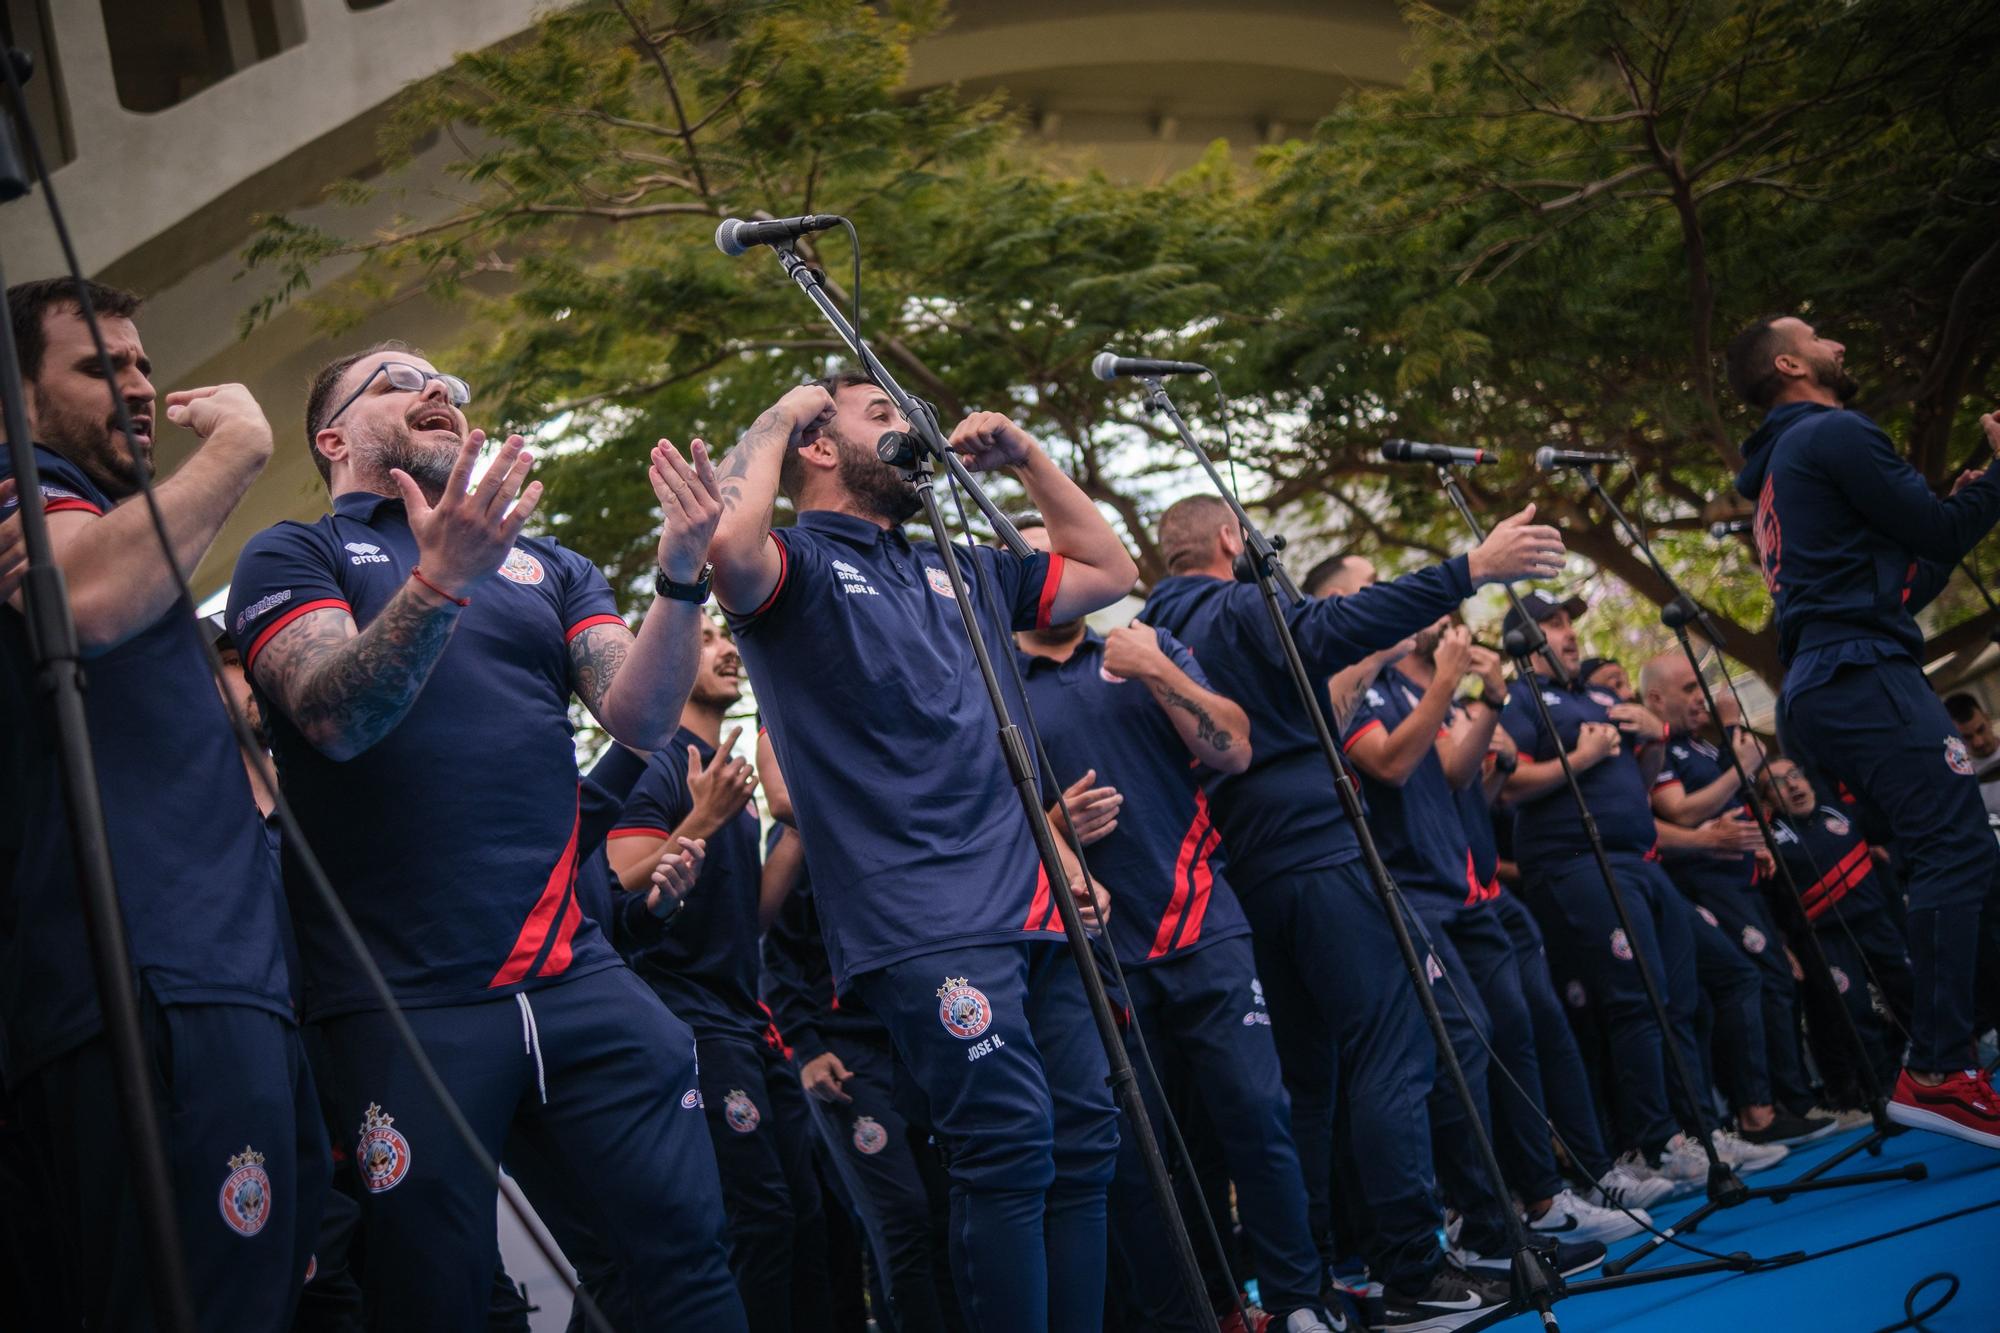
pixel 1570 1218
pixel 1746 1157
pixel 1566 1256
pixel 1683 1162
pixel 1790 1130
pixel 1631 1184
pixel 1319 1319
pixel 1454 1297
pixel 1963 1106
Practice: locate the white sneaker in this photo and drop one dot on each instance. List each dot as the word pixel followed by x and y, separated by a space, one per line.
pixel 1630 1183
pixel 1684 1163
pixel 1573 1219
pixel 1746 1156
pixel 1851 1117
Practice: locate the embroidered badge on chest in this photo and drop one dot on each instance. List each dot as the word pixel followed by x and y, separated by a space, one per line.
pixel 383 1154
pixel 963 1009
pixel 1621 947
pixel 1957 757
pixel 1837 826
pixel 740 1112
pixel 520 567
pixel 940 582
pixel 869 1136
pixel 246 1193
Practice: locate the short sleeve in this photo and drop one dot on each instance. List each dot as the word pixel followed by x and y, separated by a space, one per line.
pixel 1027 584
pixel 1520 724
pixel 284 573
pixel 64 488
pixel 587 600
pixel 1369 715
pixel 1667 776
pixel 801 563
pixel 603 793
pixel 1183 657
pixel 659 799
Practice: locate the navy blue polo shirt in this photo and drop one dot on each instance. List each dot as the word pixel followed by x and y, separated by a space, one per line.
pixel 453 841
pixel 1548 829
pixel 1164 862
pixel 797 981
pixel 705 965
pixel 1417 826
pixel 1692 764
pixel 913 832
pixel 1284 814
pixel 195 877
pixel 1828 858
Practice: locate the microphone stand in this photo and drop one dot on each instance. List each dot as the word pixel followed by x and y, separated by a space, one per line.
pixel 1724 1186
pixel 59 675
pixel 1677 615
pixel 930 448
pixel 1535 1283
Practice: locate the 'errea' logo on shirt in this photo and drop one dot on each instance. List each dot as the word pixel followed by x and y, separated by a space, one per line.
pixel 853 580
pixel 366 553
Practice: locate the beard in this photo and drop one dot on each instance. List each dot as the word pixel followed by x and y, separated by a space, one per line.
pixel 875 485
pixel 95 445
pixel 1057 635
pixel 429 465
pixel 1831 374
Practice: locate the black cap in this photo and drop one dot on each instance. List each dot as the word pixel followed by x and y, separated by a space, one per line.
pixel 1540 606
pixel 1589 665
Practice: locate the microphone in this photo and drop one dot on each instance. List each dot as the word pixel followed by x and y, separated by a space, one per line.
pixel 1109 366
pixel 735 235
pixel 1416 451
pixel 1549 459
pixel 1729 526
pixel 897 448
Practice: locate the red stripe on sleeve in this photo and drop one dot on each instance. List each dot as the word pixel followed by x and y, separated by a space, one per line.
pixel 639 832
pixel 591 622
pixel 535 930
pixel 304 609
pixel 1372 724
pixel 70 504
pixel 1051 583
pixel 784 572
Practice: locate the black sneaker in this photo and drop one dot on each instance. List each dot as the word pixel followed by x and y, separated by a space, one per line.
pixel 1790 1129
pixel 1568 1257
pixel 1454 1297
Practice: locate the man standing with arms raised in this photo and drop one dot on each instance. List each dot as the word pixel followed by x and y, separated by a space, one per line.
pixel 414 656
pixel 933 900
pixel 1853 545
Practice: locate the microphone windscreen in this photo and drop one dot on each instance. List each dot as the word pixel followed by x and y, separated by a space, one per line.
pixel 725 237
pixel 1104 365
pixel 1545 458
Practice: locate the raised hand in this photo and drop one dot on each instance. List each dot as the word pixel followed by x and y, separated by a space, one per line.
pixel 464 537
pixel 1516 548
pixel 13 553
pixel 1990 423
pixel 721 787
pixel 1966 478
pixel 1133 652
pixel 1749 751
pixel 1488 666
pixel 988 440
pixel 225 410
pixel 825 1077
pixel 1595 742
pixel 1092 810
pixel 1636 720
pixel 674 875
pixel 806 410
pixel 1453 656
pixel 691 499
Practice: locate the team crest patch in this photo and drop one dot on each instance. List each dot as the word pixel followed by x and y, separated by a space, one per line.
pixel 383 1153
pixel 1604 698
pixel 963 1009
pixel 1105 674
pixel 1708 916
pixel 869 1136
pixel 1837 826
pixel 690 1099
pixel 246 1193
pixel 1957 757
pixel 1576 995
pixel 520 567
pixel 312 1269
pixel 741 1112
pixel 1840 981
pixel 940 582
pixel 1753 939
pixel 1432 969
pixel 1620 946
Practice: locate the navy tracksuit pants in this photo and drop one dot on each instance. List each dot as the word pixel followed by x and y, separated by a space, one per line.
pixel 1584 930
pixel 1744 914
pixel 1566 1086
pixel 1882 732
pixel 1473 947
pixel 891 1181
pixel 246 1157
pixel 1014 1074
pixel 1735 1052
pixel 586 1090
pixel 1203 1016
pixel 1862 936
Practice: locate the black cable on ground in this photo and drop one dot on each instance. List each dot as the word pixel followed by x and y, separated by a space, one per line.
pixel 1913 1317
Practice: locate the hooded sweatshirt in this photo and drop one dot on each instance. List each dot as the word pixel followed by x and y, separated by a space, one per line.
pixel 1852 541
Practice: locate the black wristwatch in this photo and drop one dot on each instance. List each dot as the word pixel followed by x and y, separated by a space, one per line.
pixel 1505 763
pixel 696 592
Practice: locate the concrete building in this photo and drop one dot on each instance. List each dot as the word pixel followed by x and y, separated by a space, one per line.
pixel 175 122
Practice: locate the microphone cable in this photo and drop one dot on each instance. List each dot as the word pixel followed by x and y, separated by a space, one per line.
pixel 295 840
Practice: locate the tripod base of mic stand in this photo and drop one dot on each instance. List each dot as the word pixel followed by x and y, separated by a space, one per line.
pixel 1870 1143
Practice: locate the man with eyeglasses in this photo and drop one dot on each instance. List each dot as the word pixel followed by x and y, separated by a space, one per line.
pixel 414 654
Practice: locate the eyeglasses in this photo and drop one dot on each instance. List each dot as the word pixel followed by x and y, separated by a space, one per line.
pixel 410 379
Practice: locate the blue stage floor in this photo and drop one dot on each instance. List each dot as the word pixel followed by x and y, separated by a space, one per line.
pixel 1855 1291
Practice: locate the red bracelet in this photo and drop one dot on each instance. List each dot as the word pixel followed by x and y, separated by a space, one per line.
pixel 418 575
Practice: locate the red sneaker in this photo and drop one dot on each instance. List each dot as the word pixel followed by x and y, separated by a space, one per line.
pixel 1234 1323
pixel 1963 1106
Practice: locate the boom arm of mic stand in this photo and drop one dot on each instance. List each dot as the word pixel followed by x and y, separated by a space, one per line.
pixel 1683 610
pixel 922 422
pixel 1263 554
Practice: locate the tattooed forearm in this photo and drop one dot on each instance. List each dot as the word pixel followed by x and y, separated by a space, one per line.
pixel 1205 728
pixel 769 431
pixel 595 658
pixel 346 691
